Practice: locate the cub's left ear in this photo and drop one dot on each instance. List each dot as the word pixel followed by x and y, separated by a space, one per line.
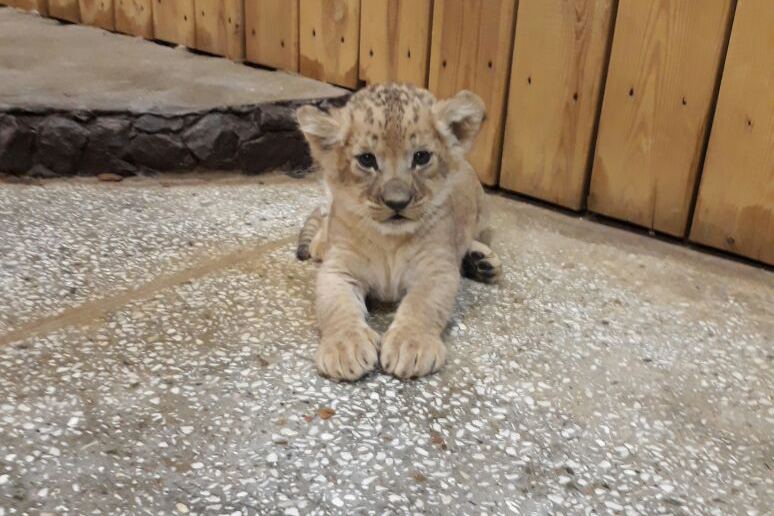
pixel 321 129
pixel 459 118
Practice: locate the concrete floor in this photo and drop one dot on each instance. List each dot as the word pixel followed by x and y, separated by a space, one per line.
pixel 47 65
pixel 156 342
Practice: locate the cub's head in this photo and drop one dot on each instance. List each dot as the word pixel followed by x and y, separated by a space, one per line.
pixel 389 154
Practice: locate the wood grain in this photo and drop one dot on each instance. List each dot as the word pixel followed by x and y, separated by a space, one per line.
pixel 735 207
pixel 41 6
pixel 660 90
pixel 272 33
pixel 559 60
pixel 64 10
pixel 173 21
pixel 471 49
pixel 395 41
pixel 220 27
pixel 134 17
pixel 329 39
pixel 98 13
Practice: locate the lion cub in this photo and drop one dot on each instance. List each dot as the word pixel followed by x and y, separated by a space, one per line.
pixel 405 213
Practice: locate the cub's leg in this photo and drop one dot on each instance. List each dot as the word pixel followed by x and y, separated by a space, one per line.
pixel 412 346
pixel 480 263
pixel 348 346
pixel 311 237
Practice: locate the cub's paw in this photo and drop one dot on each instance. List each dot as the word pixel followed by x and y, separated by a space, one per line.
pixel 410 353
pixel 347 354
pixel 481 264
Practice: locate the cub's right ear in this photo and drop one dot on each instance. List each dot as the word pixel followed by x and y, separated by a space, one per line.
pixel 322 130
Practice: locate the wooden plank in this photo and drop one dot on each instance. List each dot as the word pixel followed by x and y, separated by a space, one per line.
pixel 395 41
pixel 98 13
pixel 64 10
pixel 134 17
pixel 41 6
pixel 471 49
pixel 660 90
pixel 329 36
pixel 735 207
pixel 559 60
pixel 173 21
pixel 220 27
pixel 272 33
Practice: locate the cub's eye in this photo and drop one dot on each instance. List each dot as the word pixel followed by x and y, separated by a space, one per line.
pixel 421 158
pixel 367 160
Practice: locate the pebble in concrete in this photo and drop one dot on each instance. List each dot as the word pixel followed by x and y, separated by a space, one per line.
pixel 608 374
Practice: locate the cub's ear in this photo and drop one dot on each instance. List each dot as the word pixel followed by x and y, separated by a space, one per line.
pixel 459 118
pixel 322 130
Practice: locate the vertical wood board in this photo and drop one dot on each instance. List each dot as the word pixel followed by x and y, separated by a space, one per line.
pixel 272 33
pixel 659 95
pixel 134 17
pixel 735 206
pixel 173 21
pixel 559 61
pixel 98 13
pixel 329 38
pixel 471 49
pixel 395 41
pixel 41 6
pixel 220 27
pixel 64 10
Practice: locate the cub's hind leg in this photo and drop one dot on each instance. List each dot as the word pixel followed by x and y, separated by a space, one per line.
pixel 480 263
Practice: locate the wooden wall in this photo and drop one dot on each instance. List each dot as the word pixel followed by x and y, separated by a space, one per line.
pixel 134 17
pixel 735 207
pixel 659 113
pixel 660 91
pixel 329 35
pixel 220 27
pixel 67 10
pixel 559 62
pixel 471 49
pixel 40 6
pixel 272 33
pixel 395 41
pixel 97 12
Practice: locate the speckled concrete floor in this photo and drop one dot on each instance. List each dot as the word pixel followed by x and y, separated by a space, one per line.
pixel 155 358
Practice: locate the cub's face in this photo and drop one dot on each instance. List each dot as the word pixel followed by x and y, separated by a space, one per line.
pixel 390 152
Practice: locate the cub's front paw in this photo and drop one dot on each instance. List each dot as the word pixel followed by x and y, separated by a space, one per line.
pixel 347 354
pixel 409 353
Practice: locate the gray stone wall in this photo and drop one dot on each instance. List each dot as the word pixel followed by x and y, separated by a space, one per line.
pixel 254 139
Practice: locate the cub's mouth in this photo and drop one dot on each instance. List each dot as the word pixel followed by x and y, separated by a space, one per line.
pixel 397 218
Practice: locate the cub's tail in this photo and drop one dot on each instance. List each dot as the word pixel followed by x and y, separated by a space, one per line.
pixel 311 226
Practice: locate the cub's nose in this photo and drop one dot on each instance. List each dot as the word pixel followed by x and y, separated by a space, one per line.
pixel 396 195
pixel 397 204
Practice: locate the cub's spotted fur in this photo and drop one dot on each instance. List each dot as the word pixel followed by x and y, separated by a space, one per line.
pixel 405 214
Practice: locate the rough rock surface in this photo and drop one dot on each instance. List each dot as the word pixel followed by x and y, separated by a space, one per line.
pixel 253 138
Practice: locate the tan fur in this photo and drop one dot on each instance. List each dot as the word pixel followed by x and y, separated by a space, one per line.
pixel 415 259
